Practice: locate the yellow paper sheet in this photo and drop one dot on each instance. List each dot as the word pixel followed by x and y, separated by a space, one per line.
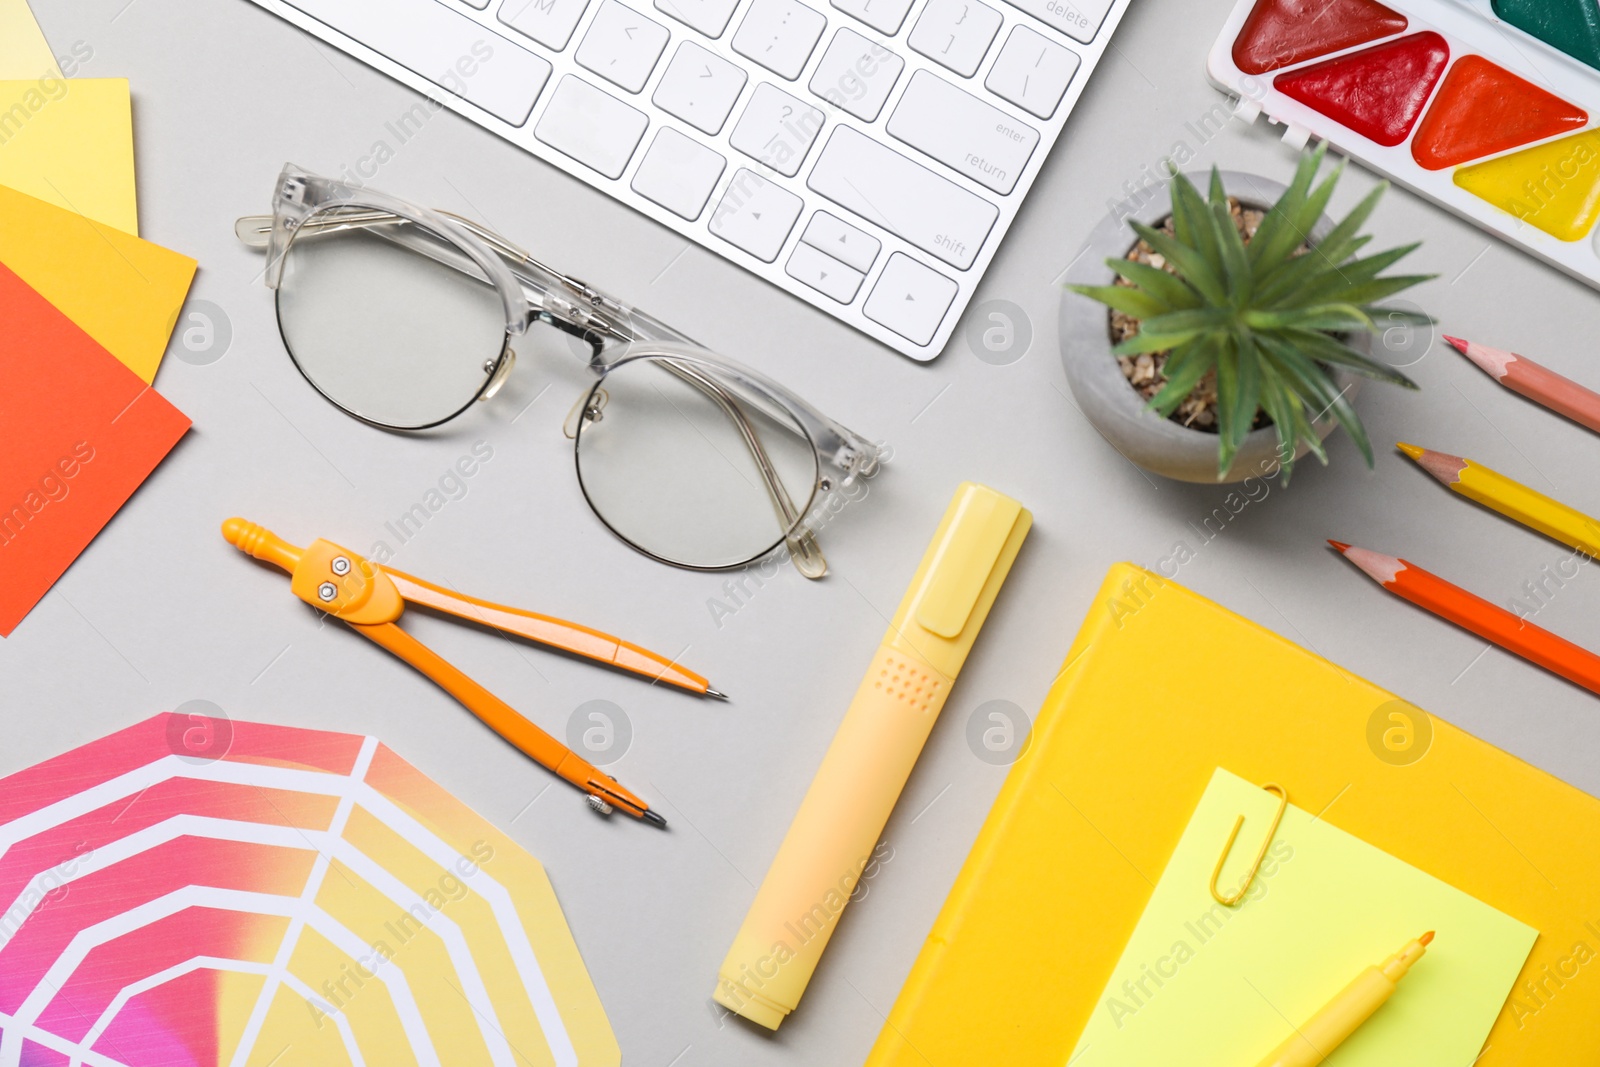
pixel 24 53
pixel 1206 986
pixel 124 292
pixel 70 142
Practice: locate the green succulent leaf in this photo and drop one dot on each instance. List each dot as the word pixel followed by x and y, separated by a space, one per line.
pixel 1190 263
pixel 1266 320
pixel 1129 300
pixel 1170 289
pixel 1196 360
pixel 1325 349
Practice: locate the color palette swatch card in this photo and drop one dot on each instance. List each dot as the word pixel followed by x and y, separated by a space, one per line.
pixel 194 890
pixel 70 141
pixel 1209 986
pixel 124 292
pixel 79 432
pixel 24 53
pixel 1490 108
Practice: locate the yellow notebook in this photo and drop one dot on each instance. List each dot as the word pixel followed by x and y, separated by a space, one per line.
pixel 1160 688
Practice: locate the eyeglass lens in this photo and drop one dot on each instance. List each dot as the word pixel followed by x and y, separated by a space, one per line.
pixel 400 339
pixel 674 466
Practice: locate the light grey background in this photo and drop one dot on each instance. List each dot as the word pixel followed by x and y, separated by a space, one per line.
pixel 159 610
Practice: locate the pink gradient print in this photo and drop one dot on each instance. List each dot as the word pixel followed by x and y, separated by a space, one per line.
pixel 100 861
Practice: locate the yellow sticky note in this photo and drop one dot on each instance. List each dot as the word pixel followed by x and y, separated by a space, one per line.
pixel 70 142
pixel 1203 985
pixel 124 292
pixel 24 53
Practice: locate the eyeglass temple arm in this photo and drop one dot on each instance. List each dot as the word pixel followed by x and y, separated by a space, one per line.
pixel 802 543
pixel 256 232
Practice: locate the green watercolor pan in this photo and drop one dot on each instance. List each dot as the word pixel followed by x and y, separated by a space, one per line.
pixel 1490 108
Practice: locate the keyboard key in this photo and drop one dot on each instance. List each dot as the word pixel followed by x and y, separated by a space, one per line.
pixel 699 87
pixel 622 46
pixel 962 132
pixel 956 34
pixel 842 241
pixel 678 173
pixel 910 299
pixel 885 16
pixel 1078 19
pixel 755 214
pixel 446 47
pixel 856 74
pixel 824 273
pixel 1032 72
pixel 779 34
pixel 905 198
pixel 777 129
pixel 710 17
pixel 591 126
pixel 550 22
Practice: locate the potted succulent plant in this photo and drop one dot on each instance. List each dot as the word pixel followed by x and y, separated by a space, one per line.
pixel 1235 323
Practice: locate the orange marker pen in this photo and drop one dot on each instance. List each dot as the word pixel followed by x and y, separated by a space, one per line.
pixel 1315 1041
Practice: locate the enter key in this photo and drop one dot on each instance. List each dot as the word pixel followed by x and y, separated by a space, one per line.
pixel 962 132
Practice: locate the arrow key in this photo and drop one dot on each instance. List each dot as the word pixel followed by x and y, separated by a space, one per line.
pixel 910 299
pixel 755 214
pixel 842 241
pixel 622 46
pixel 824 273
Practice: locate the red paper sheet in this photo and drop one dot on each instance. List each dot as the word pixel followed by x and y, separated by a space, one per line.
pixel 79 432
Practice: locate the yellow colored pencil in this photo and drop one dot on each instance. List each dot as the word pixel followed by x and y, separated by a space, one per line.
pixel 1510 498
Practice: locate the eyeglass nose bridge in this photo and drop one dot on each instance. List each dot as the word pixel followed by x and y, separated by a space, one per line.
pixel 502 371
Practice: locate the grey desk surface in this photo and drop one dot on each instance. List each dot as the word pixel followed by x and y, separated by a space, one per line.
pixel 160 611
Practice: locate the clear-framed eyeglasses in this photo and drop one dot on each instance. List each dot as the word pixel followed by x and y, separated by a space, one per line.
pixel 405 317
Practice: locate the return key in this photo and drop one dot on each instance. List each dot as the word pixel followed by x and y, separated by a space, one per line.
pixel 962 132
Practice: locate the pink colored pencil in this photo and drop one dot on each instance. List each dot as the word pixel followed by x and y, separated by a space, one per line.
pixel 1538 383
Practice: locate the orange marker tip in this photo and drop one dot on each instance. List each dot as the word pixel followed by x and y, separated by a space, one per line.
pixel 1340 545
pixel 1456 343
pixel 1411 450
pixel 1427 938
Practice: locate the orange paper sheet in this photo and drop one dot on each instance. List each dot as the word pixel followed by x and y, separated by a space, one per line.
pixel 79 432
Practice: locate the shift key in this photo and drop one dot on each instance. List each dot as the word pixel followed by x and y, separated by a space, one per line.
pixel 902 196
pixel 962 132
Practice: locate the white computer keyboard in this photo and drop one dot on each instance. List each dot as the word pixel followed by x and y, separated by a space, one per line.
pixel 866 156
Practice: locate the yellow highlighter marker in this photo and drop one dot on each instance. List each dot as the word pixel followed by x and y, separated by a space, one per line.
pixel 1343 1015
pixel 833 836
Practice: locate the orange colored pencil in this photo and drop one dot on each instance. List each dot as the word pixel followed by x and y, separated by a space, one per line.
pixel 1536 382
pixel 1490 622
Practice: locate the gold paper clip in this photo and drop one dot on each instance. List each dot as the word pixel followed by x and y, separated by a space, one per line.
pixel 1229 901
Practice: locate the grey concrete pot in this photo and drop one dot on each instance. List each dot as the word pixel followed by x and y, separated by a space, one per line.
pixel 1160 445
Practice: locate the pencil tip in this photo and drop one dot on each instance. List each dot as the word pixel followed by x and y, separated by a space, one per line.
pixel 1427 938
pixel 1456 343
pixel 715 694
pixel 1411 450
pixel 653 819
pixel 1340 545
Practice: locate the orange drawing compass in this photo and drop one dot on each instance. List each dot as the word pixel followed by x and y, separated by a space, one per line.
pixel 371 598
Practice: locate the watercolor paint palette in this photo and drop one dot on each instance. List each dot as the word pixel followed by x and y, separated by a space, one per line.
pixel 1490 108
